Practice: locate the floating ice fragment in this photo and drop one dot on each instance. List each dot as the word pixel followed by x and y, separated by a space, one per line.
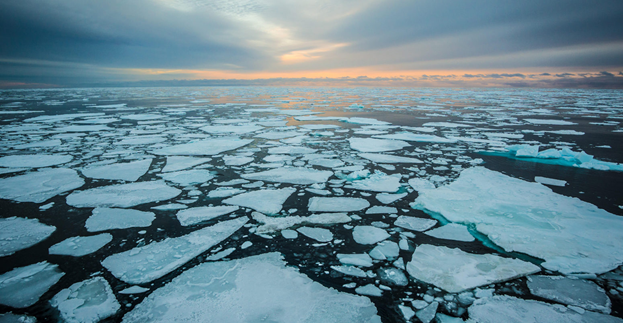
pixel 428 313
pixel 390 159
pixel 376 145
pixel 350 271
pixel 212 146
pixel 381 210
pixel 550 181
pixel 272 224
pixel 20 233
pixel 88 301
pixel 113 218
pixel 231 129
pixel 550 122
pixel 122 171
pixel 289 234
pixel 451 231
pixel 224 192
pixel 576 292
pixel 175 163
pixel 355 259
pixel 34 161
pixel 196 215
pixel 264 201
pixel 123 195
pixel 80 246
pixel 364 234
pixel 386 250
pixel 250 289
pixel 237 160
pixel 23 286
pixel 133 290
pixel 144 264
pixel 409 136
pixel 39 186
pixel 318 234
pixel 369 290
pixel 377 182
pixel 336 204
pixel 188 177
pixel 386 198
pixel 293 150
pixel 414 223
pixel 293 175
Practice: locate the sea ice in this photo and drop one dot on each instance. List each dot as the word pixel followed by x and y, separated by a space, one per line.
pixel 386 250
pixel 409 136
pixel 257 288
pixel 113 218
pixel 386 198
pixel 377 182
pixel 264 201
pixel 133 290
pixel 144 264
pixel 123 195
pixel 427 314
pixel 377 209
pixel 188 177
pixel 318 234
pixel 369 290
pixel 576 292
pixel 355 259
pixel 224 192
pixel 454 270
pixel 39 186
pixel 88 301
pixel 212 146
pixel 550 122
pixel 122 171
pixel 502 308
pixel 292 175
pixel 272 224
pixel 141 140
pixel 289 234
pixel 23 286
pixel 414 223
pixel 390 159
pixel 21 233
pixel 231 129
pixel 370 145
pixel 237 160
pixel 175 163
pixel 572 236
pixel 34 161
pixel 550 181
pixel 336 204
pixel 203 213
pixel 80 246
pixel 365 234
pixel 16 318
pixel 451 231
pixel 350 271
pixel 292 150
pixel 393 276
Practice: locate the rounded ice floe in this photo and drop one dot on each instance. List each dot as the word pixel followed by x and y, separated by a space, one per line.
pixel 121 171
pixel 20 233
pixel 370 145
pixel 80 246
pixel 414 223
pixel 34 161
pixel 289 234
pixel 336 204
pixel 318 234
pixel 365 234
pixel 354 259
pixel 88 301
pixel 264 201
pixel 247 290
pixel 123 195
pixel 39 186
pixel 113 218
pixel 23 286
pixel 292 175
pixel 206 147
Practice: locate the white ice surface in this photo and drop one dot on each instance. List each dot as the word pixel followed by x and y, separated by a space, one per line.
pixel 112 218
pixel 451 231
pixel 34 161
pixel 414 223
pixel 370 145
pixel 123 195
pixel 175 163
pixel 550 122
pixel 21 233
pixel 390 159
pixel 569 234
pixel 265 201
pixel 365 234
pixel 39 186
pixel 409 136
pixel 454 270
pixel 576 292
pixel 212 146
pixel 355 259
pixel 292 175
pixel 80 246
pixel 144 264
pixel 122 171
pixel 377 182
pixel 237 160
pixel 257 288
pixel 241 129
pixel 293 150
pixel 196 215
pixel 22 287
pixel 272 224
pixel 88 301
pixel 550 181
pixel 386 198
pixel 318 234
pixel 188 177
pixel 336 204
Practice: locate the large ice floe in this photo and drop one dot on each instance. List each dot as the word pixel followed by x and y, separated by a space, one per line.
pixel 572 236
pixel 113 218
pixel 257 288
pixel 123 195
pixel 212 146
pixel 20 233
pixel 23 286
pixel 562 157
pixel 292 175
pixel 455 270
pixel 265 201
pixel 370 145
pixel 122 171
pixel 88 301
pixel 144 264
pixel 39 186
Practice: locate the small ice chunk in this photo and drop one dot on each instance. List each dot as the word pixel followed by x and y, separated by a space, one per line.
pixel 355 259
pixel 550 181
pixel 387 198
pixel 386 250
pixel 39 186
pixel 264 201
pixel 365 234
pixel 553 122
pixel 112 218
pixel 121 171
pixel 370 145
pixel 336 204
pixel 292 175
pixel 21 233
pixel 123 195
pixel 455 270
pixel 170 207
pixel 88 301
pixel 34 161
pixel 22 287
pixel 220 255
pixel 393 276
pixel 576 292
pixel 272 224
pixel 289 234
pixel 318 234
pixel 133 290
pixel 144 264
pixel 451 231
pixel 409 136
pixel 80 246
pixel 407 312
pixel 369 290
pixel 428 313
pixel 200 214
pixel 291 150
pixel 241 129
pixel 414 223
pixel 176 163
pixel 246 245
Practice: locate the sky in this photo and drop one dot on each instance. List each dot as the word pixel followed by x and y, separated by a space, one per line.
pixel 475 43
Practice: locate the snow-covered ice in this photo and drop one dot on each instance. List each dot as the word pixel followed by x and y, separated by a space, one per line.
pixel 34 161
pixel 370 145
pixel 365 234
pixel 188 177
pixel 122 171
pixel 250 289
pixel 454 270
pixel 199 214
pixel 88 301
pixel 23 286
pixel 414 223
pixel 175 163
pixel 569 291
pixel 80 246
pixel 451 231
pixel 39 186
pixel 123 195
pixel 144 264
pixel 318 234
pixel 265 201
pixel 292 175
pixel 114 218
pixel 21 233
pixel 336 204
pixel 377 182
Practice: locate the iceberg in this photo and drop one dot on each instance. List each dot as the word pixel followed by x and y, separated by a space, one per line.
pixel 122 171
pixel 257 288
pixel 292 175
pixel 88 301
pixel 39 186
pixel 21 233
pixel 147 263
pixel 23 286
pixel 264 201
pixel 112 218
pixel 123 195
pixel 80 246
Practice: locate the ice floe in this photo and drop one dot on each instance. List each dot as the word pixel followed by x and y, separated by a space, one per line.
pixel 88 301
pixel 123 195
pixel 23 286
pixel 212 146
pixel 336 204
pixel 370 145
pixel 362 260
pixel 386 198
pixel 365 234
pixel 550 181
pixel 292 175
pixel 390 159
pixel 34 161
pixel 318 234
pixel 454 270
pixel 451 231
pixel 122 171
pixel 113 218
pixel 80 246
pixel 175 163
pixel 528 217
pixel 550 122
pixel 377 182
pixel 144 264
pixel 267 201
pixel 414 223
pixel 569 291
pixel 188 177
pixel 409 136
pixel 21 233
pixel 199 214
pixel 272 224
pixel 39 186
pixel 250 289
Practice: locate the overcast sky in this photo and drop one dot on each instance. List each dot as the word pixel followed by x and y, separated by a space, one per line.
pixel 436 42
